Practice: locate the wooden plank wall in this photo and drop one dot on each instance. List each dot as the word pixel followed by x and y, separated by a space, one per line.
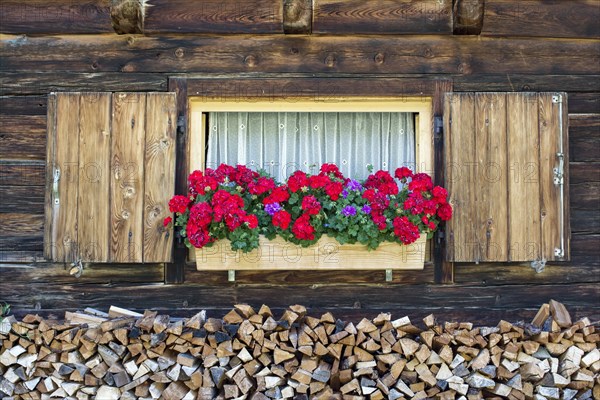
pixel 533 45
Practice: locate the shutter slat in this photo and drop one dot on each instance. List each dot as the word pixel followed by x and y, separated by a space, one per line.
pixel 523 177
pixel 490 114
pixel 161 121
pixel 516 212
pixel 94 174
pixel 462 165
pixel 127 178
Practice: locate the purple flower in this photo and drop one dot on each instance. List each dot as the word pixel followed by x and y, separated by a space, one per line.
pixel 354 185
pixel 344 193
pixel 272 208
pixel 348 211
pixel 366 209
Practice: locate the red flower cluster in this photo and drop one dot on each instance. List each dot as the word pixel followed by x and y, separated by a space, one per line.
pixel 331 169
pixel 405 230
pixel 302 228
pixel 297 181
pixel 179 204
pixel 403 173
pixel 383 182
pixel 201 215
pixel 282 219
pixel 311 205
pixel 277 195
pixel 261 185
pixel 200 183
pixel 379 202
pixel 334 189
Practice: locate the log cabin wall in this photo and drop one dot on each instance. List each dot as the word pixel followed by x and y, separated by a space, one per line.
pixel 502 45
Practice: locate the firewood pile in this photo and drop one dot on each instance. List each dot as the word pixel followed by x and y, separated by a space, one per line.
pixel 251 354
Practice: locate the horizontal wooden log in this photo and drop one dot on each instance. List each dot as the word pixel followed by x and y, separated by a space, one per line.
pixel 468 16
pixel 311 277
pixel 511 82
pixel 456 301
pixel 23 123
pixel 21 256
pixel 583 172
pixel 584 137
pixel 319 89
pixel 23 145
pixel 23 105
pixel 585 249
pixel 65 16
pixel 22 173
pixel 555 18
pixel 29 243
pixel 297 16
pixel 584 221
pixel 584 103
pixel 18 83
pixel 223 16
pixel 21 224
pixel 16 199
pixel 382 16
pixel 92 273
pixel 463 55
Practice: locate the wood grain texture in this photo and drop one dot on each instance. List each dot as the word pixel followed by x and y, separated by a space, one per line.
pixel 127 17
pixel 23 105
pixel 452 301
pixel 543 18
pixel 463 55
pixel 523 177
pixel 223 16
pixel 49 171
pixel 22 137
pixel 492 160
pixel 468 16
pixel 64 201
pixel 584 103
pixel 93 214
pixel 22 224
pixel 127 177
pixel 326 254
pixel 297 16
pixel 584 134
pixel 20 83
pixel 159 175
pixel 19 198
pixel 22 173
pixel 514 82
pixel 461 169
pixel 382 16
pixel 552 128
pixel 65 16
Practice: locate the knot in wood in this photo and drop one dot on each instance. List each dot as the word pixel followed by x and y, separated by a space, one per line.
pixel 250 61
pixel 379 58
pixel 179 53
pixel 128 192
pixel 330 60
pixel 428 53
pixel 125 214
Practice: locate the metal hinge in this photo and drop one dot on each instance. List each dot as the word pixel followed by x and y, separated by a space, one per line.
pixel 181 125
pixel 557 98
pixel 559 171
pixel 55 179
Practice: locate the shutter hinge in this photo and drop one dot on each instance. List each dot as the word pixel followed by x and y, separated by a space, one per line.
pixel 559 171
pixel 55 179
pixel 438 126
pixel 557 98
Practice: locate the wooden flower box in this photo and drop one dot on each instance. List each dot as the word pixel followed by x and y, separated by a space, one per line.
pixel 327 253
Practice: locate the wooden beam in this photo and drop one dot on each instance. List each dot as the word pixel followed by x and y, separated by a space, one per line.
pixel 297 16
pixel 127 16
pixel 456 55
pixel 468 16
pixel 398 17
pixel 444 270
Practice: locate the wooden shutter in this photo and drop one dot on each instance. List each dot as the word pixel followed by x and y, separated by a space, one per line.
pixel 505 153
pixel 111 173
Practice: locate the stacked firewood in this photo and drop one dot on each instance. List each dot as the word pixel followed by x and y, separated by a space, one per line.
pixel 250 354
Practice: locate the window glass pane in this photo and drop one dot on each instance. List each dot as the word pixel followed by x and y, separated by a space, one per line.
pixel 284 142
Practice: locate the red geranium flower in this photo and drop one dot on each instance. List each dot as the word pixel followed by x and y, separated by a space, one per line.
pixel 278 195
pixel 318 181
pixel 334 189
pixel 420 182
pixel 328 169
pixel 302 228
pixel 403 173
pixel 405 230
pixel 297 181
pixel 167 221
pixel 282 219
pixel 261 185
pixel 251 220
pixel 444 212
pixel 179 204
pixel 311 205
pixel 440 195
pixel 383 182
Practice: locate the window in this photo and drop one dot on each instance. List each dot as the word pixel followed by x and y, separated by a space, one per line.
pixel 283 136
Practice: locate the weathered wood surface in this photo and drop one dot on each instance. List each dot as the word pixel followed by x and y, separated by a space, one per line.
pixel 311 54
pixel 584 133
pixel 556 18
pixel 127 17
pixel 22 173
pixel 23 105
pixel 22 137
pixel 159 175
pixel 224 16
pixel 502 197
pixel 127 177
pixel 297 16
pixel 382 16
pixel 457 301
pixel 515 82
pixel 35 17
pixel 584 103
pixel 19 83
pixel 468 17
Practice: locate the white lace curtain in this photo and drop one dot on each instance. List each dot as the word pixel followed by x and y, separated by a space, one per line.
pixel 284 142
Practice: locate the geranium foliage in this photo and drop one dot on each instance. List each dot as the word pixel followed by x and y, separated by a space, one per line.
pixel 239 204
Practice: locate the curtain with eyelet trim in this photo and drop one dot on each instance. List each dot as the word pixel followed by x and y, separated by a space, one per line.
pixel 284 142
